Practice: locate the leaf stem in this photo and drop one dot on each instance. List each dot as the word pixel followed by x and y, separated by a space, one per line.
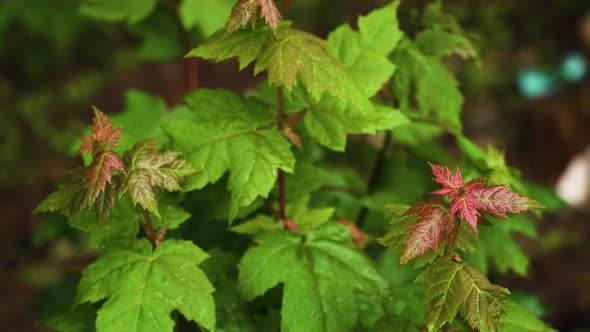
pixel 375 175
pixel 154 236
pixel 281 120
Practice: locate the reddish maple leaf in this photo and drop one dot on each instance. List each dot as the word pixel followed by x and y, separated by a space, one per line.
pixel 270 12
pixel 435 223
pixel 99 144
pixel 99 173
pixel 498 200
pixel 249 10
pixel 102 135
pixel 451 183
pixel 472 198
pixel 466 203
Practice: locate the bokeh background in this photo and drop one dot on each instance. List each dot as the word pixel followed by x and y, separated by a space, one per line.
pixel 528 95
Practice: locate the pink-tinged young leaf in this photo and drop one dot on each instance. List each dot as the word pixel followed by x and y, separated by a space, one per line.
pixel 498 200
pixel 472 198
pixel 243 12
pixel 435 223
pixel 99 173
pixel 451 183
pixel 149 169
pixel 102 135
pixel 249 10
pixel 270 12
pixel 467 206
pixel 106 201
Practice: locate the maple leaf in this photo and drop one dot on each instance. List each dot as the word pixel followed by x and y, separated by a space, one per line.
pixel 208 15
pixel 519 319
pixel 324 277
pixel 435 224
pixel 68 199
pixel 365 56
pixel 142 286
pixel 436 90
pixel 270 12
pixel 149 169
pixel 99 173
pixel 131 11
pixel 297 55
pixel 243 44
pixel 472 198
pixel 249 10
pixel 102 135
pixel 451 183
pixel 122 223
pixel 458 287
pixel 498 200
pixel 102 138
pixel 230 134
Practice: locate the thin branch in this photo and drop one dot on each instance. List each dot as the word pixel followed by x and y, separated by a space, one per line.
pixel 375 175
pixel 155 236
pixel 281 120
pixel 191 65
pixel 191 70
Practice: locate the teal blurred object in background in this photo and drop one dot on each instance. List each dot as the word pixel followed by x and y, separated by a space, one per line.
pixel 574 67
pixel 534 83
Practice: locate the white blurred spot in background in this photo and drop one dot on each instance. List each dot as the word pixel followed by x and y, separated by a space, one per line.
pixel 573 185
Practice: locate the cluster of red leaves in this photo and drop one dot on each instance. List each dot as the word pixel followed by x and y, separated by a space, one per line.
pixel 102 138
pixel 472 198
pixel 250 10
pixel 435 222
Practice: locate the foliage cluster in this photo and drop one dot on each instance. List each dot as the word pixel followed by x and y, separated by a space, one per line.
pixel 290 235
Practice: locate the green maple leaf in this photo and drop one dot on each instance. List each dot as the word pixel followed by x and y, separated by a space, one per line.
pixel 322 277
pixel 456 287
pixel 142 286
pixel 497 245
pixel 329 123
pixel 365 53
pixel 71 198
pixel 141 119
pixel 440 43
pixel 243 44
pixel 121 223
pixel 519 319
pixel 295 55
pixel 131 11
pixel 208 15
pixel 68 199
pixel 171 214
pixel 257 225
pixel 230 134
pixel 365 56
pixel 148 169
pixel 288 56
pixel 437 92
